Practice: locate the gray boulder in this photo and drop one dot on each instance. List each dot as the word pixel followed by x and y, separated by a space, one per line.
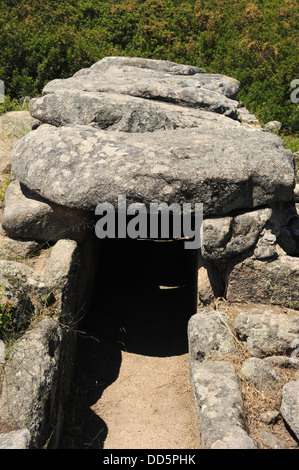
pixel 267 333
pixel 154 81
pixel 225 237
pixel 220 407
pixel 221 169
pixel 270 441
pixel 245 116
pixel 70 276
pixel 180 91
pixel 61 277
pixel 36 376
pixel 19 439
pixel 209 282
pixel 135 95
pixel 283 362
pixel 290 406
pixel 120 62
pixel 273 126
pixel 209 335
pixel 18 249
pixel 111 111
pixel 266 245
pixel 273 281
pixel 189 150
pixel 28 216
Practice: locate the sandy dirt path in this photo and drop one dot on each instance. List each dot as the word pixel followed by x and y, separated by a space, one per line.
pixel 150 405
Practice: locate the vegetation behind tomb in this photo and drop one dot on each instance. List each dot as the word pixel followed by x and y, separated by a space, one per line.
pixel 253 41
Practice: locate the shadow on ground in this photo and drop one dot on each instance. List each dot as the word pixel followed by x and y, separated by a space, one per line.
pixel 144 295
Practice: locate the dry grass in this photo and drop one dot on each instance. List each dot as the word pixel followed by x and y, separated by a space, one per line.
pixel 256 403
pixel 13 126
pixel 4 425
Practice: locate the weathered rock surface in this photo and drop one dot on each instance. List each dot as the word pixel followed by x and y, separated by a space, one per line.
pixel 220 407
pixel 19 439
pixel 274 281
pixel 245 116
pixel 204 288
pixel 61 276
pixel 209 335
pixel 266 246
pixel 290 406
pixel 224 237
pixel 273 126
pixel 28 216
pixel 222 170
pixel 197 90
pixel 270 417
pixel 111 111
pixel 18 249
pixel 261 230
pixel 24 289
pixel 141 63
pixel 270 441
pixel 209 282
pixel 260 374
pixel 267 333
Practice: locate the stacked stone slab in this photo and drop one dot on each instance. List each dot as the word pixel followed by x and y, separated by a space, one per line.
pixel 157 131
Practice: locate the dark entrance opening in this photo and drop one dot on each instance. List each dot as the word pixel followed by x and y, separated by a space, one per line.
pixel 145 292
pixel 147 289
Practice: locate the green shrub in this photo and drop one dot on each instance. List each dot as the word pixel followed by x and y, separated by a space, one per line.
pixel 254 41
pixel 291 142
pixel 13 105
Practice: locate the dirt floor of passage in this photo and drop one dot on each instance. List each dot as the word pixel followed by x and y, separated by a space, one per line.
pixel 131 387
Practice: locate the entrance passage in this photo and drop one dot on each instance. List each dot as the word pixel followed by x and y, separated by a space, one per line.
pixel 131 387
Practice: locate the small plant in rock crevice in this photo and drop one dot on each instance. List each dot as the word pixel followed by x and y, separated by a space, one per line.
pixel 3 189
